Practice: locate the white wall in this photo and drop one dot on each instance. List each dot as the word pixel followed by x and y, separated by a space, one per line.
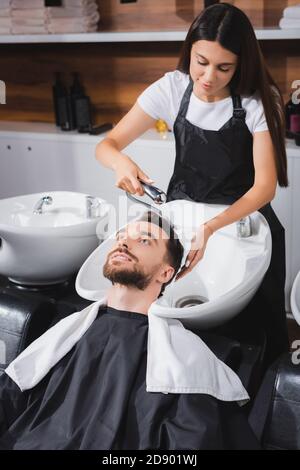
pixel 65 161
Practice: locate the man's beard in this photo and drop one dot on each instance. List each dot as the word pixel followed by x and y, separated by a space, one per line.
pixel 127 277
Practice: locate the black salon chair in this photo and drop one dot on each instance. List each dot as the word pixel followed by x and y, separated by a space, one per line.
pixel 275 415
pixel 21 321
pixel 26 313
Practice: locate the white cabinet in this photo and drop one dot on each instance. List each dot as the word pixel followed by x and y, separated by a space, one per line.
pixel 31 166
pixel 50 159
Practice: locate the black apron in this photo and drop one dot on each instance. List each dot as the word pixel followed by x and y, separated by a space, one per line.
pixel 217 167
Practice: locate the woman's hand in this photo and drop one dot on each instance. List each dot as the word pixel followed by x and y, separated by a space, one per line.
pixel 128 174
pixel 198 245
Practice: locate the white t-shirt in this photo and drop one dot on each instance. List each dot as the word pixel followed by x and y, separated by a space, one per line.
pixel 161 100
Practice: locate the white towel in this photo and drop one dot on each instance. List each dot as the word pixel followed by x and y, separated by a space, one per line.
pixel 292 12
pixel 77 3
pixel 83 21
pixel 34 13
pixel 5 30
pixel 5 12
pixel 4 4
pixel 27 4
pixel 178 361
pixel 5 22
pixel 17 29
pixel 69 12
pixel 73 28
pixel 28 22
pixel 286 23
pixel 63 25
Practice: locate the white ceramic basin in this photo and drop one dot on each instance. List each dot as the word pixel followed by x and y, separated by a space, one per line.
pixel 220 285
pixel 295 298
pixel 47 248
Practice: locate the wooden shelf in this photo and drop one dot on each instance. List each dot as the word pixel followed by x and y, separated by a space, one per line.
pixel 132 36
pixel 277 33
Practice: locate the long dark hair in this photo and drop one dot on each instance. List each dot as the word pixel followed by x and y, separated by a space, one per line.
pixel 232 29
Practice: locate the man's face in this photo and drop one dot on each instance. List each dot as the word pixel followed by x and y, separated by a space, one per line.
pixel 137 257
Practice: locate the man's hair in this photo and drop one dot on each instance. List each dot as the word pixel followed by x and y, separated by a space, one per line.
pixel 174 248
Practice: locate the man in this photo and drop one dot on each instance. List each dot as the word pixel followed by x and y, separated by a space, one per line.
pixel 94 394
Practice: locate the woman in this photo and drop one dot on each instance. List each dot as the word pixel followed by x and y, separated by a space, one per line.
pixel 228 119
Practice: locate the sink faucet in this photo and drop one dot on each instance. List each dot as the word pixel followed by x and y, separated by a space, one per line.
pixel 244 228
pixel 157 195
pixel 38 208
pixel 92 203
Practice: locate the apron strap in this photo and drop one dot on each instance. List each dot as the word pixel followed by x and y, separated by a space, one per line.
pixel 184 104
pixel 238 111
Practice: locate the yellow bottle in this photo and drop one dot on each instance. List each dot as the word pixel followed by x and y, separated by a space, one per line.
pixel 161 126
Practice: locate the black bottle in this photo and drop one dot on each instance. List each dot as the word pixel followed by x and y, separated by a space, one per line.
pixel 52 3
pixel 83 114
pixel 81 106
pixel 66 115
pixel 290 109
pixel 295 120
pixel 76 91
pixel 58 90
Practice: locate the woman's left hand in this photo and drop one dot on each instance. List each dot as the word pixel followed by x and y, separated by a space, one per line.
pixel 198 245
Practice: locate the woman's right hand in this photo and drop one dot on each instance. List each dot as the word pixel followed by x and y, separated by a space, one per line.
pixel 128 175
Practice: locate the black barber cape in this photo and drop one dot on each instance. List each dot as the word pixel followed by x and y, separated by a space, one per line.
pixel 95 398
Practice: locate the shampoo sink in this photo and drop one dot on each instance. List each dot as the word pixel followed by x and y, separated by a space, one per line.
pixel 220 285
pixel 47 243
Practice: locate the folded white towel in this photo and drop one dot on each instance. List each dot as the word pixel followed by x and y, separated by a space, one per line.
pixel 56 29
pixel 75 25
pixel 17 29
pixel 28 22
pixel 57 12
pixel 5 30
pixel 5 12
pixel 27 4
pixel 34 13
pixel 178 361
pixel 286 23
pixel 77 3
pixel 4 4
pixel 84 20
pixel 5 22
pixel 292 11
